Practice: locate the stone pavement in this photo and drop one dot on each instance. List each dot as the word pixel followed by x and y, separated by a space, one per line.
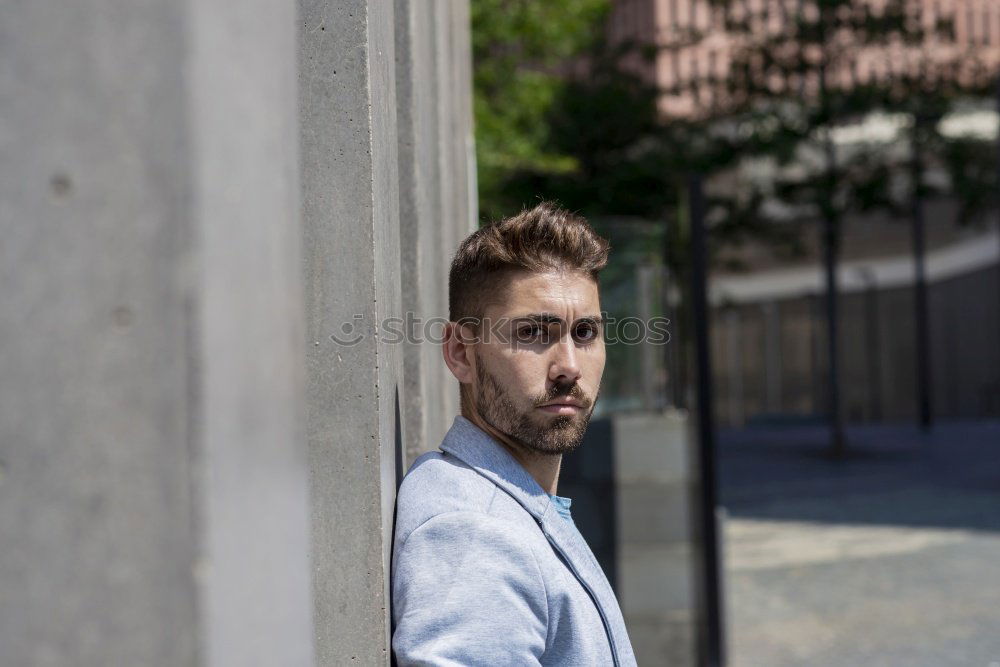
pixel 890 557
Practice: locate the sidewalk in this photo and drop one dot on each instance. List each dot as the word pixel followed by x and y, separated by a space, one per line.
pixel 891 557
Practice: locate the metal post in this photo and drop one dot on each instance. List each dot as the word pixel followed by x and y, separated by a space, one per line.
pixel 831 243
pixel 998 214
pixel 920 291
pixel 713 654
pixel 673 389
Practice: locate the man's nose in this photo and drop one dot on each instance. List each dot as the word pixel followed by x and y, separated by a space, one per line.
pixel 564 367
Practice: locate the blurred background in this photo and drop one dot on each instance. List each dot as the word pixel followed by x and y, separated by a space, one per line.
pixel 808 191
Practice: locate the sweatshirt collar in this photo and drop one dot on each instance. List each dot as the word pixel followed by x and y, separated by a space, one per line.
pixel 489 458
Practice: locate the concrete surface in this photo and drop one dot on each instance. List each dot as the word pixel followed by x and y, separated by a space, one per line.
pixel 385 200
pixel 351 230
pixel 153 473
pixel 434 117
pixel 891 557
pixel 631 483
pixel 192 470
pixel 656 552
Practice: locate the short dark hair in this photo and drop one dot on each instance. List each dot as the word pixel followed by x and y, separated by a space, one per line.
pixel 544 238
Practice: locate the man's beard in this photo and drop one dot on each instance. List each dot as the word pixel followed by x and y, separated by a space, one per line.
pixel 556 435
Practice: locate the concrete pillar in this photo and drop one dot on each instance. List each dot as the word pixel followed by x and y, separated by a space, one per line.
pixel 153 506
pixel 459 213
pixel 657 552
pixel 383 108
pixel 416 93
pixel 634 487
pixel 386 130
pixel 436 198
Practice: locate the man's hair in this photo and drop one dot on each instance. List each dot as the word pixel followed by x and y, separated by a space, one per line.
pixel 545 238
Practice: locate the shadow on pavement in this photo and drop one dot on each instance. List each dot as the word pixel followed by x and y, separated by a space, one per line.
pixel 893 475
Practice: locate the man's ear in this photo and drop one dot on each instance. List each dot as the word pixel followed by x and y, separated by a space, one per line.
pixel 458 350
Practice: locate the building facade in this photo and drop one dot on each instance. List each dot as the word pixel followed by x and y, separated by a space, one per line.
pixel 694 50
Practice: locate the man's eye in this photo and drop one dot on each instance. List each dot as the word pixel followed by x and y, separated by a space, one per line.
pixel 586 333
pixel 528 332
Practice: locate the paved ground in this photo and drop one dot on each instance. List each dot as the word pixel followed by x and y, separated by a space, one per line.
pixel 890 557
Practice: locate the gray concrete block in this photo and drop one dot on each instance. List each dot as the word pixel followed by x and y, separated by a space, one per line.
pixel 154 486
pixel 655 478
pixel 663 639
pixel 652 447
pixel 655 579
pixel 434 119
pixel 351 226
pixel 650 513
pixel 414 59
pixel 256 607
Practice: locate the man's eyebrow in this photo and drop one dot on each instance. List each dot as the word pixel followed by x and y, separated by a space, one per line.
pixel 551 318
pixel 539 318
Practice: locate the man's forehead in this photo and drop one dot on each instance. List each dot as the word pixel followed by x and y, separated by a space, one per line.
pixel 548 292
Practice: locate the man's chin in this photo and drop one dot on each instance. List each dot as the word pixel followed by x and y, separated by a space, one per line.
pixel 561 434
pixel 557 446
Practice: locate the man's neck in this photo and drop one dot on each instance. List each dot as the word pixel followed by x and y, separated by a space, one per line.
pixel 544 468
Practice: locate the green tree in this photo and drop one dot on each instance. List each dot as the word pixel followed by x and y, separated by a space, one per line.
pixel 522 53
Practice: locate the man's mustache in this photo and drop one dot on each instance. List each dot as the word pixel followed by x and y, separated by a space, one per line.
pixel 565 391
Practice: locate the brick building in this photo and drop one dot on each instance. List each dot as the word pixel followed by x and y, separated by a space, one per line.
pixel 695 49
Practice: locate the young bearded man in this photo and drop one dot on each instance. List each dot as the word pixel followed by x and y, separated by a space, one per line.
pixel 488 567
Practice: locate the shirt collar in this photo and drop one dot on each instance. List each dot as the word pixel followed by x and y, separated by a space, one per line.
pixel 489 458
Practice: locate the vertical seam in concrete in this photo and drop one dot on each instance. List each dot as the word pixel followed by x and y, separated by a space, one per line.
pixel 374 223
pixel 190 275
pixel 373 61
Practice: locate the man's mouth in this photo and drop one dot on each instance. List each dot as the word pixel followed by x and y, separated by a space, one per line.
pixel 567 406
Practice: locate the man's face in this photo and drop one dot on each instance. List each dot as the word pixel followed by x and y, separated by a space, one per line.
pixel 538 382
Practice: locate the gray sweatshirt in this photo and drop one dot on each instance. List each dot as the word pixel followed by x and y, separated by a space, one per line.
pixel 486 572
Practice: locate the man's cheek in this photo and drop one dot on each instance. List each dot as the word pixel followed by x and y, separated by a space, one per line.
pixel 597 374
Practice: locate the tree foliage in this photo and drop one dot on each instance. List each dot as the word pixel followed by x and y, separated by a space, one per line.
pixel 521 53
pixel 798 79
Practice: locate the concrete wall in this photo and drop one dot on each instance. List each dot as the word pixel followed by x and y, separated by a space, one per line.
pixel 153 505
pixel 192 470
pixel 385 126
pixel 437 198
pixel 351 223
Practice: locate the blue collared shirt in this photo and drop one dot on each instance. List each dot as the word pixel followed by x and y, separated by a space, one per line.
pixel 562 506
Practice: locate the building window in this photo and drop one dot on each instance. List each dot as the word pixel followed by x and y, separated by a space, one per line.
pixel 675 61
pixel 970 21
